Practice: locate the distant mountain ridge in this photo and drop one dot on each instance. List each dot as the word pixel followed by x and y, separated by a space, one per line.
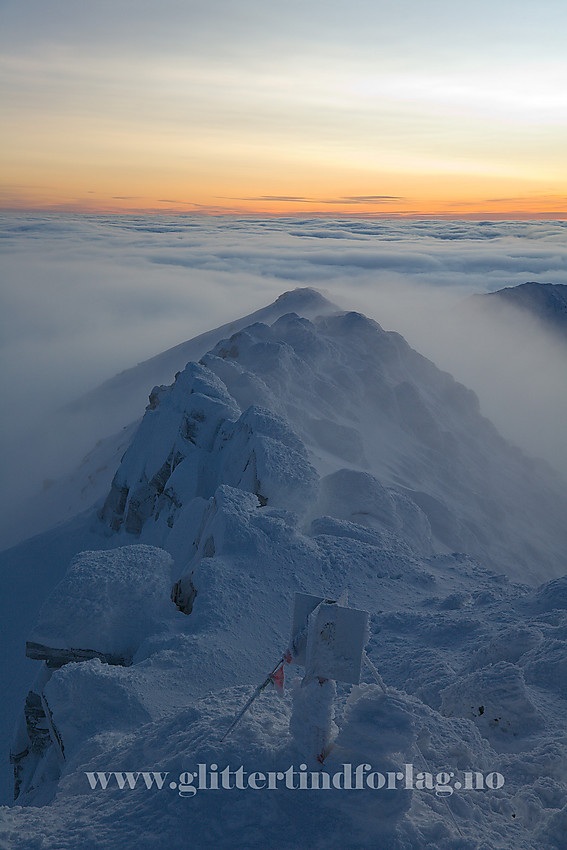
pixel 546 301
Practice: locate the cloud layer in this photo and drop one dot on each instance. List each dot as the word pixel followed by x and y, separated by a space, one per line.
pixel 87 297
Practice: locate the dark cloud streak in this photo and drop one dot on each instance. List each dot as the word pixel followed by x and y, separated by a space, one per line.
pixel 345 199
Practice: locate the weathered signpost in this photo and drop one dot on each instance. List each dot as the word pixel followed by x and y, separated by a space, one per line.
pixel 328 640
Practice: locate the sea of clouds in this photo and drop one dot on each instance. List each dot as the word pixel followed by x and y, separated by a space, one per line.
pixel 87 296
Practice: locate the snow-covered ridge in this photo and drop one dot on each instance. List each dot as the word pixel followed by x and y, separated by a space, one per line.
pixel 125 393
pixel 303 455
pixel 336 416
pixel 108 415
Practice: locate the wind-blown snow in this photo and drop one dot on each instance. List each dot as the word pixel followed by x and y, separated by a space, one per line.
pixel 85 297
pixel 313 456
pixel 398 446
pixel 113 411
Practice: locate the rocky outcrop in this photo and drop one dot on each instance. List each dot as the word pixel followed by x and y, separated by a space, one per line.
pixel 275 410
pixel 200 438
pixel 56 657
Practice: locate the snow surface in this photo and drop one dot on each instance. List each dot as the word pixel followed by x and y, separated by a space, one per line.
pixel 338 417
pixel 108 601
pixel 313 456
pixel 113 411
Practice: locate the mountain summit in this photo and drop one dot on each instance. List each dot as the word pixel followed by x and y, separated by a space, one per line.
pixel 122 396
pixel 335 416
pixel 85 440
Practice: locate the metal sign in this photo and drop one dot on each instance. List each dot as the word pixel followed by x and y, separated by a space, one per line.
pixel 332 645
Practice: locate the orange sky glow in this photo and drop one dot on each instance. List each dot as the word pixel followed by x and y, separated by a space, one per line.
pixel 388 114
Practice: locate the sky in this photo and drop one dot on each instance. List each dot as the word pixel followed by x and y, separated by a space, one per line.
pixel 445 109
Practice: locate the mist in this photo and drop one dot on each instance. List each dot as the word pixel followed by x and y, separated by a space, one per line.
pixel 86 297
pixel 516 365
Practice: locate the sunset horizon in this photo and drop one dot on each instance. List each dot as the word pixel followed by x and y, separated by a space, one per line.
pixel 338 212
pixel 271 207
pixel 444 112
